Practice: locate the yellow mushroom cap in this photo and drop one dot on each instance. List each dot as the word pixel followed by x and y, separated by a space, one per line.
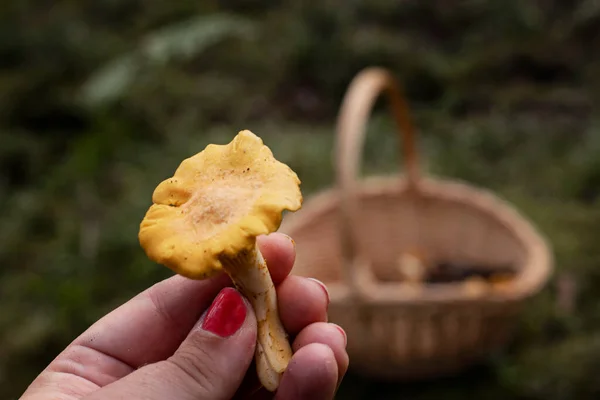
pixel 215 205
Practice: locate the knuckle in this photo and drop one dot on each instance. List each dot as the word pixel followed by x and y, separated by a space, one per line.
pixel 157 299
pixel 198 364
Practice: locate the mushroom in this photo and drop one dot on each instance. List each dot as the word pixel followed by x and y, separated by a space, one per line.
pixel 205 220
pixel 411 267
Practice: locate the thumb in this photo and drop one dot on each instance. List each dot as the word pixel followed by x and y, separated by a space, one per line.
pixel 210 363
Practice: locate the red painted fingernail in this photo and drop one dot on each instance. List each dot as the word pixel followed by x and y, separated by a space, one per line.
pixel 226 314
pixel 318 282
pixel 343 332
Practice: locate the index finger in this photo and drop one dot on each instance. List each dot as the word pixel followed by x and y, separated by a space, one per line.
pixel 279 252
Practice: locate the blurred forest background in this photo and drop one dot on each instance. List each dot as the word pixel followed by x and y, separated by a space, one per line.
pixel 101 100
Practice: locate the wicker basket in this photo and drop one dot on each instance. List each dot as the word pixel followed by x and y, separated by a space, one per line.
pixel 350 237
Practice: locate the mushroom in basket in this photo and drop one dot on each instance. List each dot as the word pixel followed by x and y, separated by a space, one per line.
pixel 412 267
pixel 205 220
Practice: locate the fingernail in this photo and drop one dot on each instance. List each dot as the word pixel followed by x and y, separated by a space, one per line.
pixel 322 285
pixel 339 384
pixel 226 314
pixel 290 239
pixel 343 332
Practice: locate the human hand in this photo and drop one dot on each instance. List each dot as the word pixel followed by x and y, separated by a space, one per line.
pixel 165 344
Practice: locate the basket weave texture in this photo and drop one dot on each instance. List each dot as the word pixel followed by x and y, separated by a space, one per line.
pixel 351 236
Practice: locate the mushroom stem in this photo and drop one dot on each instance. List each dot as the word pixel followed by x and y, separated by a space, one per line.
pixel 250 274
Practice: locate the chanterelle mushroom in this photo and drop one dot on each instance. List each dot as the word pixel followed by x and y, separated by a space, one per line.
pixel 205 219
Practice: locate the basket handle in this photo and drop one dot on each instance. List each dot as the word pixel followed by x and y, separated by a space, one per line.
pixel 351 123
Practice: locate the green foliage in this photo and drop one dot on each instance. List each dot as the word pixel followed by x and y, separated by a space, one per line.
pixel 102 100
pixel 182 41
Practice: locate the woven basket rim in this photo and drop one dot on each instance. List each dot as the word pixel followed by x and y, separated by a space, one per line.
pixel 536 269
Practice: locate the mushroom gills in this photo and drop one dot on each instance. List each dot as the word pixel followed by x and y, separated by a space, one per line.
pixel 250 274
